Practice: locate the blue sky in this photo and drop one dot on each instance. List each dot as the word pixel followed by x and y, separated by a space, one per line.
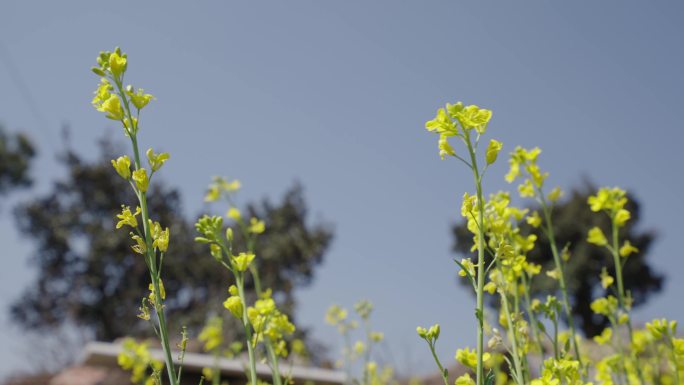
pixel 335 95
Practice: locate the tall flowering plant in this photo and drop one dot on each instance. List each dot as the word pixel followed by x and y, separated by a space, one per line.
pixel 468 124
pixel 123 104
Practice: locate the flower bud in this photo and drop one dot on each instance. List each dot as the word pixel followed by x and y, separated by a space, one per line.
pixel 434 331
pixel 493 151
pixel 97 71
pixel 233 290
pixel 216 252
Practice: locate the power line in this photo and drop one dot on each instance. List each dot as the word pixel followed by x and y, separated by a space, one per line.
pixel 26 94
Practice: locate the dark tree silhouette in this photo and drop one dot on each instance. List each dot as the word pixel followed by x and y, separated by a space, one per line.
pixel 572 221
pixel 89 277
pixel 16 152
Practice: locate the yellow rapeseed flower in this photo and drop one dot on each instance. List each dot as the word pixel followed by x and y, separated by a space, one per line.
pixel 112 107
pixel 256 226
pixel 606 279
pixel 621 217
pixel 234 305
pixel 596 237
pixel 127 218
pixel 242 261
pixel 468 357
pixel 534 219
pixel 156 160
pixel 212 334
pixel 161 239
pixel 442 124
pixel 474 117
pixel 122 165
pixel 117 64
pixel 605 336
pixel 444 147
pixel 234 214
pixel 141 180
pixel 465 380
pixel 627 249
pixel 139 98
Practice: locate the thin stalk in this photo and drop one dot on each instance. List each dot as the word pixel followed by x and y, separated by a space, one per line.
pixel 561 275
pixel 620 348
pixel 618 268
pixel 516 309
pixel 367 352
pixel 347 358
pixel 273 357
pixel 239 279
pixel 556 352
pixel 514 340
pixel 621 295
pixel 270 351
pixel 532 318
pixel 142 197
pixel 479 310
pixel 445 376
pixel 216 375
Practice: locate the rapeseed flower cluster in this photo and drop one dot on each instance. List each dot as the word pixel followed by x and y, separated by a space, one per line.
pixel 359 352
pixel 263 323
pixel 532 325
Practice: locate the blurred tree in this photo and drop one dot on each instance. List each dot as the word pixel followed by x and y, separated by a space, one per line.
pixel 572 221
pixel 89 277
pixel 16 152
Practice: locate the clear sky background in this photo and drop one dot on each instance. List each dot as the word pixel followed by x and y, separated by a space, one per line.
pixel 335 95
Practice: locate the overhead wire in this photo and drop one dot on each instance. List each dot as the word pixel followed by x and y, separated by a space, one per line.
pixel 27 95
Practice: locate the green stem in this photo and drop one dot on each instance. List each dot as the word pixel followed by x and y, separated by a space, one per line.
pixel 512 336
pixel 532 317
pixel 516 309
pixel 273 357
pixel 142 197
pixel 255 277
pixel 445 375
pixel 216 375
pixel 556 352
pixel 618 268
pixel 348 357
pixel 621 295
pixel 561 275
pixel 620 347
pixel 479 310
pixel 239 279
pixel 367 352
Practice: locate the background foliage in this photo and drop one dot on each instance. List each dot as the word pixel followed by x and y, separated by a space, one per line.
pixel 16 153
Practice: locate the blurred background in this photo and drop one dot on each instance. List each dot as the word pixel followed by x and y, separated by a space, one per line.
pixel 319 109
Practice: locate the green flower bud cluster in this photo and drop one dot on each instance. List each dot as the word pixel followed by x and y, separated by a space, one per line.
pixel 430 334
